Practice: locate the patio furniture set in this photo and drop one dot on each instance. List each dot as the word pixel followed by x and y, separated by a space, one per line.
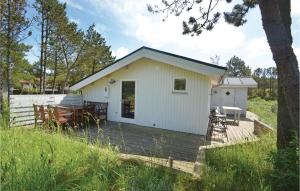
pixel 218 120
pixel 71 115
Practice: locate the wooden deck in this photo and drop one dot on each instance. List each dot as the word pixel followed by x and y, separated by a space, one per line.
pixel 147 141
pixel 234 132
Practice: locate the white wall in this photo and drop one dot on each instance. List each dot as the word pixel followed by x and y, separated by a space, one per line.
pixel 156 105
pixel 237 98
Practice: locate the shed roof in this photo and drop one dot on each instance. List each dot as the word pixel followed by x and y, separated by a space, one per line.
pixel 238 82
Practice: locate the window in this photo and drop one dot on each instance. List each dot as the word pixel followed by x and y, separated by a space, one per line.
pixel 179 85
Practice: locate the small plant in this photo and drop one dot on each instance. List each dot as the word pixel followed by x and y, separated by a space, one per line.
pixel 286 167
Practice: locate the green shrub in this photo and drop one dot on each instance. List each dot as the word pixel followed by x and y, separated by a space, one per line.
pixel 286 167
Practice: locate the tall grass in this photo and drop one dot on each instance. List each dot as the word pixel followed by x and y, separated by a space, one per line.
pixel 266 110
pixel 240 167
pixel 32 159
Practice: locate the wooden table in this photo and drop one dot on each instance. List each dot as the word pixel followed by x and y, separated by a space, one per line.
pixel 77 112
pixel 237 112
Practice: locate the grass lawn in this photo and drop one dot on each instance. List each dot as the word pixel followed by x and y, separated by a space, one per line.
pixel 240 167
pixel 36 160
pixel 266 110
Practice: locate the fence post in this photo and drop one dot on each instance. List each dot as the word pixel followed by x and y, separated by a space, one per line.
pixel 170 162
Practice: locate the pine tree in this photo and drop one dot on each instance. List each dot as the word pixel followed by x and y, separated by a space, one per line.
pixel 96 53
pixel 237 67
pixel 72 45
pixel 13 30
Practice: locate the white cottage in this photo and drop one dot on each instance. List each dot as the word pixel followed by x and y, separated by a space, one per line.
pixel 156 89
pixel 233 92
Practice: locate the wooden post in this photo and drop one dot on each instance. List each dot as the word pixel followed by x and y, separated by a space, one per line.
pixel 170 162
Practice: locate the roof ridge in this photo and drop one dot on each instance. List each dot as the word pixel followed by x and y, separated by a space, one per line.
pixel 183 57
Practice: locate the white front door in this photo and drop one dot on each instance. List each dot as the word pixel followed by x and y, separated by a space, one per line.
pixel 127 101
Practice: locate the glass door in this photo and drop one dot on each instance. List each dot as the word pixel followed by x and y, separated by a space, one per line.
pixel 128 99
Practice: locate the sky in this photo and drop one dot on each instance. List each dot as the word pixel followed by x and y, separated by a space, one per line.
pixel 127 25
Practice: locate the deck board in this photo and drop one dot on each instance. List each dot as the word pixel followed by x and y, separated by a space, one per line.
pixel 243 132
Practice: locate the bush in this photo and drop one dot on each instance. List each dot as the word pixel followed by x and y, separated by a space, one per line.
pixel 286 167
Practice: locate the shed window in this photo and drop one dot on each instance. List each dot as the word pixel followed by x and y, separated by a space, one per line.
pixel 179 84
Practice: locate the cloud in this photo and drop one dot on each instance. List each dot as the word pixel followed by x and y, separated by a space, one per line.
pixel 160 34
pixel 297 52
pixel 224 40
pixel 257 47
pixel 295 12
pixel 120 52
pixel 150 30
pixel 100 28
pixel 77 21
pixel 295 7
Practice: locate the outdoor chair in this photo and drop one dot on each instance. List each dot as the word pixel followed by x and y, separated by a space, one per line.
pixel 217 120
pixel 98 110
pixel 37 115
pixel 89 109
pixel 41 115
pixel 61 117
pixel 101 110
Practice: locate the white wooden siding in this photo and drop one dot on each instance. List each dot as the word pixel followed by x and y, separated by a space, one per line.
pixel 237 98
pixel 156 104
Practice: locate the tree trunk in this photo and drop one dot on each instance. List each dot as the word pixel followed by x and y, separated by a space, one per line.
pixel 270 86
pixel 66 80
pixel 55 71
pixel 277 29
pixel 8 53
pixel 42 51
pixel 45 52
pixel 1 84
pixel 94 65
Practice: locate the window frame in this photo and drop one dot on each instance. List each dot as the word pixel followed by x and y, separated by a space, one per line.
pixel 179 91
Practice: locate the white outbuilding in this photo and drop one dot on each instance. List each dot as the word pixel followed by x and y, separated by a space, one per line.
pixel 155 89
pixel 232 92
